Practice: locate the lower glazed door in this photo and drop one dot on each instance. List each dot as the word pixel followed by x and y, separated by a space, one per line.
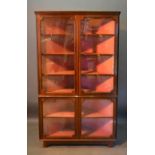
pixel 58 119
pixel 97 118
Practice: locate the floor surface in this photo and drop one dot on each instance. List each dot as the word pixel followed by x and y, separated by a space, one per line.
pixel 35 146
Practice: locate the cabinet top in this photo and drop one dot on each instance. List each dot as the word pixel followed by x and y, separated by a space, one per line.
pixel 78 12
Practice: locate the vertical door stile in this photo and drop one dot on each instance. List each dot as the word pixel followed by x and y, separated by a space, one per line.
pixel 80 99
pixel 40 113
pixel 116 73
pixel 75 57
pixel 78 50
pixel 116 55
pixel 39 62
pixel 78 66
pixel 77 78
pixel 38 28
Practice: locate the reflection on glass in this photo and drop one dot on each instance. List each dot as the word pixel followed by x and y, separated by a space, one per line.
pixel 98 65
pixel 58 127
pixel 97 84
pixel 58 64
pixel 58 108
pixel 58 84
pixel 100 45
pixel 57 35
pixel 96 108
pixel 98 25
pixel 101 127
pixel 57 25
pixel 58 44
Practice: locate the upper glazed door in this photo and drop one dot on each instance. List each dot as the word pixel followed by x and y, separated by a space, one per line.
pixel 58 54
pixel 98 36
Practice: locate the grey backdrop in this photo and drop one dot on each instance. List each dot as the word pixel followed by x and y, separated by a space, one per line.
pixel 74 5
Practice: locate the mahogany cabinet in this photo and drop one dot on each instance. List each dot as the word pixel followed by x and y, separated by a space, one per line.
pixel 77 77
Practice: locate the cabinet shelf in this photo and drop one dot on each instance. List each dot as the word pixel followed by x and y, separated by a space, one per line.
pixel 65 91
pixel 96 54
pixel 95 115
pixel 58 53
pixel 60 115
pixel 91 91
pixel 57 34
pixel 98 35
pixel 60 73
pixel 63 133
pixel 94 73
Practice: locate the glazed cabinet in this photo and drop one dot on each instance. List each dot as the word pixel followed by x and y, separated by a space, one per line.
pixel 77 77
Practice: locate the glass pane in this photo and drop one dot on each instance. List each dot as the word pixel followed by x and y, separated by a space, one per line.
pixel 58 64
pixel 58 117
pixel 57 25
pixel 97 44
pixel 58 84
pixel 59 108
pixel 57 35
pixel 58 44
pixel 96 108
pixel 97 84
pixel 99 65
pixel 92 127
pixel 98 25
pixel 58 127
